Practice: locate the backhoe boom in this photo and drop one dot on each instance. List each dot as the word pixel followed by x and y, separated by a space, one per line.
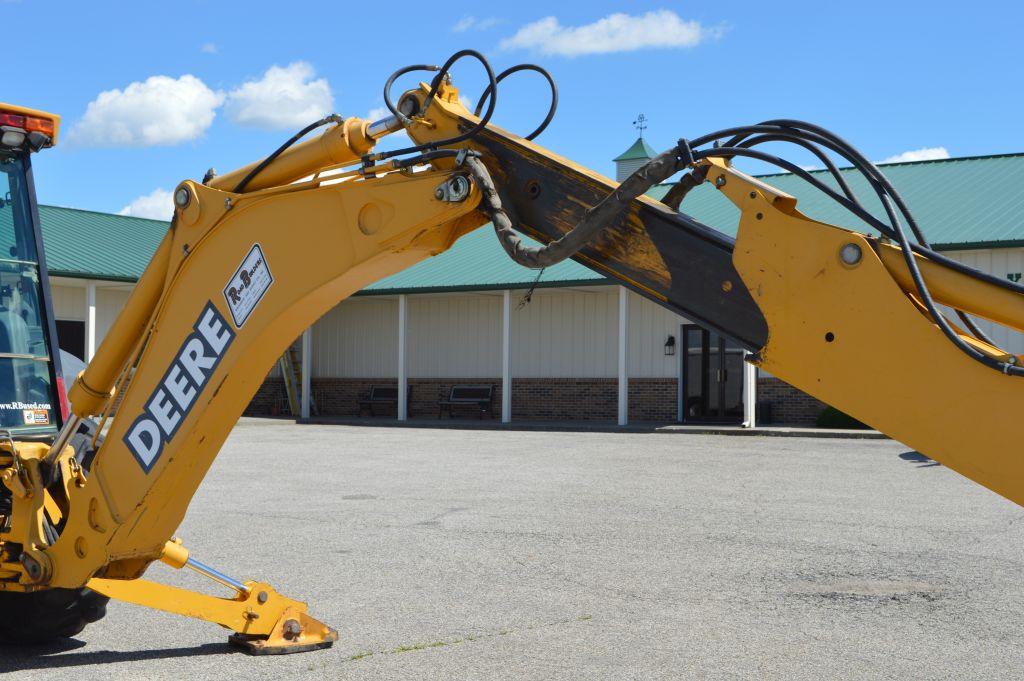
pixel 254 257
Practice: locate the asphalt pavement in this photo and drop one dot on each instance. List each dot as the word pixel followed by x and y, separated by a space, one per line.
pixel 448 554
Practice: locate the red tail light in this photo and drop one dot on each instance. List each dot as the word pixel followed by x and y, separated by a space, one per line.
pixel 38 127
pixel 13 120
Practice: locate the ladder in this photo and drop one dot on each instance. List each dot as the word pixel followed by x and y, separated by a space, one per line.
pixel 291 371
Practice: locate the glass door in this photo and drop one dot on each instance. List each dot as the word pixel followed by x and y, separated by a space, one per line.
pixel 712 377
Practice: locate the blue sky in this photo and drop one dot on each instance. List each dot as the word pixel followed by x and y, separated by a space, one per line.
pixel 197 83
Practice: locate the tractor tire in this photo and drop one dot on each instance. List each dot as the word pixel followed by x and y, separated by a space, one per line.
pixel 45 616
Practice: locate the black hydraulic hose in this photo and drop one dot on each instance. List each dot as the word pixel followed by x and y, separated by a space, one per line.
pixel 853 207
pixel 906 249
pixel 516 69
pixel 391 81
pixel 333 118
pixel 864 164
pixel 740 142
pixel 837 144
pixel 885 191
pixel 741 133
pixel 809 146
pixel 435 85
pixel 658 169
pixel 738 134
pixel 882 186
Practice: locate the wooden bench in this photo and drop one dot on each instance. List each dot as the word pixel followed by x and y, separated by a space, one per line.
pixel 478 397
pixel 382 394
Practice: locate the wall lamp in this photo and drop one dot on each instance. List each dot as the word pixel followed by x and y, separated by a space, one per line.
pixel 670 345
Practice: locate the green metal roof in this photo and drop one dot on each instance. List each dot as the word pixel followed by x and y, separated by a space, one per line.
pixel 89 245
pixel 477 262
pixel 961 203
pixel 640 149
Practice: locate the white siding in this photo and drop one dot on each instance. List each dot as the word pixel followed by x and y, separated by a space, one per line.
pixel 566 334
pixel 559 334
pixel 650 325
pixel 357 339
pixel 68 302
pixel 1001 262
pixel 457 336
pixel 109 303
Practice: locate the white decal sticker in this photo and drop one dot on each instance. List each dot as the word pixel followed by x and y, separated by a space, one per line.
pixel 178 391
pixel 36 417
pixel 24 405
pixel 246 288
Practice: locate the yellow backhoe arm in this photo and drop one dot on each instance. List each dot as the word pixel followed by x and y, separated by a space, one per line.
pixel 830 311
pixel 244 270
pixel 234 282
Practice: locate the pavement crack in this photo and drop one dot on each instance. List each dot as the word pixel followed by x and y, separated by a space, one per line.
pixel 443 643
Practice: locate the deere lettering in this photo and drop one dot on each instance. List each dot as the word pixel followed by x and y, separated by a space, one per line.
pixel 180 388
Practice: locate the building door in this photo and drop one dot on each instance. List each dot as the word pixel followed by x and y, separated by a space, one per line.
pixel 712 377
pixel 71 337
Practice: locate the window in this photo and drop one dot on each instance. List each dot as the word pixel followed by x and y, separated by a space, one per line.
pixel 27 398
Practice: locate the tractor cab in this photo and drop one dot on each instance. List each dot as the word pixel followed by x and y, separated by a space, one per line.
pixel 32 392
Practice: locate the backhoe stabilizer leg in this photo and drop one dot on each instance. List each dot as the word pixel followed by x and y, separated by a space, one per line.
pixel 264 621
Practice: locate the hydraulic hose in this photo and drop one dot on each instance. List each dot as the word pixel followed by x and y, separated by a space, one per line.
pixel 657 170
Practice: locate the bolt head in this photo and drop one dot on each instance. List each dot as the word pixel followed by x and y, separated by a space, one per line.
pixel 438 193
pixel 458 188
pixel 182 197
pixel 720 181
pixel 291 629
pixel 851 254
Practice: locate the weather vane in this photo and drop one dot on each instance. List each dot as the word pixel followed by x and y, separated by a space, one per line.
pixel 640 124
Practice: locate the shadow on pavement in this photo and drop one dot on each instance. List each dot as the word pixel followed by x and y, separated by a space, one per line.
pixel 920 459
pixel 51 656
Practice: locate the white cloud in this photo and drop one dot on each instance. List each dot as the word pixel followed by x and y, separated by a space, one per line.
pixel 285 97
pixel 925 154
pixel 209 48
pixel 466 23
pixel 158 111
pixel 614 33
pixel 158 205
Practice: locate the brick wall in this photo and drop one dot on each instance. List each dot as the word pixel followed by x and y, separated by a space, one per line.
pixel 564 399
pixel 535 399
pixel 653 399
pixel 789 406
pixel 270 400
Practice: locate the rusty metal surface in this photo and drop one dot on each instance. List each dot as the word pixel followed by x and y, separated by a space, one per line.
pixel 665 256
